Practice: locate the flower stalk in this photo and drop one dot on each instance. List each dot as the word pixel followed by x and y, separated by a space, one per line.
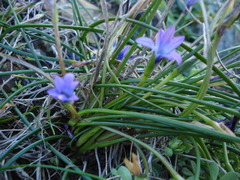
pixel 74 114
pixel 148 70
pixel 51 7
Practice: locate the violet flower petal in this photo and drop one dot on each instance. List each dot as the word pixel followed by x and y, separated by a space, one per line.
pixel 190 3
pixel 53 92
pixel 69 77
pixel 175 42
pixel 123 53
pixel 147 42
pixel 159 37
pixel 168 35
pixel 59 83
pixel 174 56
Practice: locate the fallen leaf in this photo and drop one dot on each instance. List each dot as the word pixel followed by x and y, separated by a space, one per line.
pixel 133 166
pixel 226 129
pixel 6 106
pixel 35 18
pixel 201 125
pixel 82 63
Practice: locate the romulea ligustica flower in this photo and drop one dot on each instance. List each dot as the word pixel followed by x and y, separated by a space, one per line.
pixel 164 45
pixel 64 88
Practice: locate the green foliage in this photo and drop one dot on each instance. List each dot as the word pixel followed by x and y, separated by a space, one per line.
pixel 230 175
pixel 214 170
pixel 130 100
pixel 178 146
pixel 123 172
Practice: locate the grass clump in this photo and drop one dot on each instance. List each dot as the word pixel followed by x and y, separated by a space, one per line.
pixel 136 90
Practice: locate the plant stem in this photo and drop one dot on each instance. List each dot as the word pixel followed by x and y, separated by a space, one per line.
pixel 57 38
pixel 226 160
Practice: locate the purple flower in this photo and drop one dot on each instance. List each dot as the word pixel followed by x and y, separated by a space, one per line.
pixel 230 124
pixel 123 52
pixel 164 45
pixel 218 77
pixel 189 3
pixel 64 88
